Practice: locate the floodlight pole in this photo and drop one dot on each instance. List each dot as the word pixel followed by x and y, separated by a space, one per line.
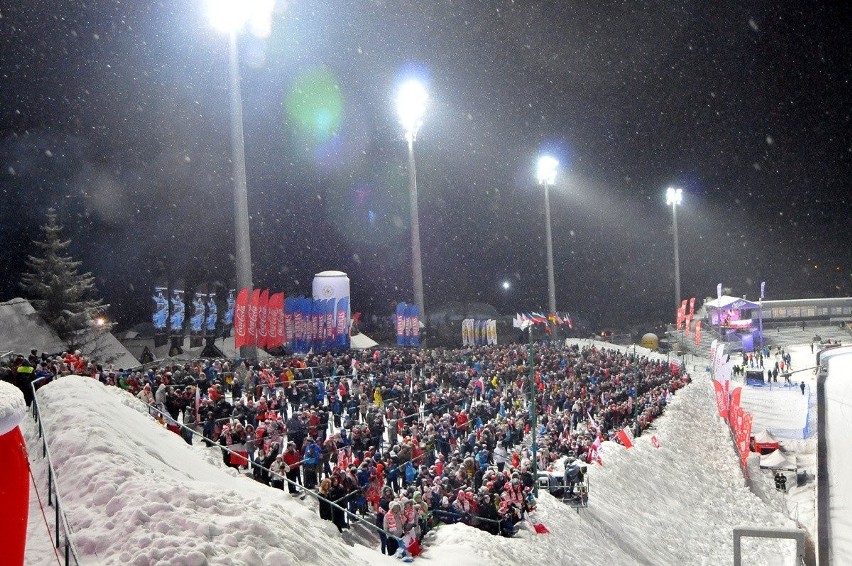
pixel 551 282
pixel 238 160
pixel 416 259
pixel 546 175
pixel 533 414
pixel 676 256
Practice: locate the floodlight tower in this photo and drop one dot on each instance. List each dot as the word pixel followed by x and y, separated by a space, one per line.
pixel 546 175
pixel 231 16
pixel 411 105
pixel 674 197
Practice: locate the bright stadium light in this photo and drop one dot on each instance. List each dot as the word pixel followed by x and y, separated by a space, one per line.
pixel 231 16
pixel 411 102
pixel 674 196
pixel 546 170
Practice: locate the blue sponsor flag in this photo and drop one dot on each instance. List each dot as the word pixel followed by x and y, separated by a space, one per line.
pixel 414 325
pixel 212 313
pixel 342 321
pixel 177 311
pixel 161 308
pixel 289 303
pixel 400 324
pixel 232 303
pixel 196 320
pixel 305 314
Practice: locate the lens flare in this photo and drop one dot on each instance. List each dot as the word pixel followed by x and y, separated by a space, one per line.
pixel 315 104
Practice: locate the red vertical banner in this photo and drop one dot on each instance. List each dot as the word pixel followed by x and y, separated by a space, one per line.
pixel 282 319
pixel 251 331
pixel 273 332
pixel 691 307
pixel 271 324
pixel 262 318
pixel 721 402
pixel 735 396
pixel 241 319
pixel 698 332
pixel 746 436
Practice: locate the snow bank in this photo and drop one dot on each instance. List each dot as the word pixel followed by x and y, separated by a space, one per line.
pixel 137 494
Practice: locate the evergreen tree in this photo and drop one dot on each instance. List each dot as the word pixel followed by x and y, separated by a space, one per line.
pixel 61 295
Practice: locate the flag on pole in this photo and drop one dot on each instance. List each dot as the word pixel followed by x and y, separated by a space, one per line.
pixel 625 436
pixel 241 319
pixel 253 309
pixel 262 318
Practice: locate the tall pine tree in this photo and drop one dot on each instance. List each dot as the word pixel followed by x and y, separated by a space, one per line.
pixel 62 296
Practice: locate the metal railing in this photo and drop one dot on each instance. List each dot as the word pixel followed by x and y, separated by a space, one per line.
pixel 53 499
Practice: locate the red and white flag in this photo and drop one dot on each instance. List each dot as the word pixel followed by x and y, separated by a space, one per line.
pixel 655 441
pixel 625 436
pixel 251 326
pixel 262 318
pixel 595 451
pixel 241 319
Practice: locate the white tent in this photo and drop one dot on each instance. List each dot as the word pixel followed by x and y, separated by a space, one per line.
pixel 764 437
pixel 775 460
pixel 361 342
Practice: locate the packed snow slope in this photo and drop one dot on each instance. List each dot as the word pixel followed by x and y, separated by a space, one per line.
pixel 135 493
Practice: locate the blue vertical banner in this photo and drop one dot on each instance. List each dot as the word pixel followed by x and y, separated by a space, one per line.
pixel 298 324
pixel 343 324
pixel 290 329
pixel 303 324
pixel 330 324
pixel 400 324
pixel 196 320
pixel 212 314
pixel 161 309
pixel 413 325
pixel 228 318
pixel 178 309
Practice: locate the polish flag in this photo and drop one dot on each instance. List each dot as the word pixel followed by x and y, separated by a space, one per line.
pixel 655 441
pixel 625 436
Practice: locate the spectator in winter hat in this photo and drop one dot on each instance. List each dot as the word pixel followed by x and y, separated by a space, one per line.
pixel 394 523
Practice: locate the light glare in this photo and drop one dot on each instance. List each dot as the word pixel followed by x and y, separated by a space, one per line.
pixel 546 171
pixel 674 196
pixel 231 16
pixel 411 105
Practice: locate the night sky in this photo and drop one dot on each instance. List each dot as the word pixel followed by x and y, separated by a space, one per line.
pixel 116 113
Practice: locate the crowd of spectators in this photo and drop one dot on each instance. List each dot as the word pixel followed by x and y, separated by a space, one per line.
pixel 406 438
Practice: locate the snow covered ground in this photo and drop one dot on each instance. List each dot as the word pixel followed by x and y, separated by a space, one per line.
pixel 136 493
